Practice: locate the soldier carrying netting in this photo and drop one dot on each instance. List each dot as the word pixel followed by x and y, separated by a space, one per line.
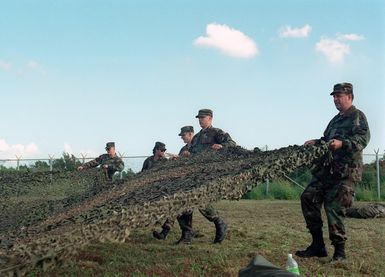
pixel 208 139
pixel 158 156
pixel 332 183
pixel 185 219
pixel 372 210
pixel 109 162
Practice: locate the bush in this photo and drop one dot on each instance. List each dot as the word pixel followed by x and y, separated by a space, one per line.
pixel 282 190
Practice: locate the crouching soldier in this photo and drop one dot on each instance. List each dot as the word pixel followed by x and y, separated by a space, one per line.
pixel 109 162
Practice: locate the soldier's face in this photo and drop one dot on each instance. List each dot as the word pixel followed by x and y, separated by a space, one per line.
pixel 187 137
pixel 342 101
pixel 111 151
pixel 205 122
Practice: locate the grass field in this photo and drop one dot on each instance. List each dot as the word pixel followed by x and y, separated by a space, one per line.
pixel 269 228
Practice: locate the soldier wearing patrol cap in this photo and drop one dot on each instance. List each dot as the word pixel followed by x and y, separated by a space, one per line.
pixel 186 134
pixel 185 219
pixel 332 183
pixel 208 138
pixel 109 162
pixel 158 152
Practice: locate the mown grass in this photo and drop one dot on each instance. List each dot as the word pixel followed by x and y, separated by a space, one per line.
pixel 269 228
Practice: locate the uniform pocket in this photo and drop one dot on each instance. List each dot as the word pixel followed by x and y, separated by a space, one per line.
pixel 345 195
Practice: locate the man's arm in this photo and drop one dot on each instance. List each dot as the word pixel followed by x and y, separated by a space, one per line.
pixel 361 134
pixel 92 163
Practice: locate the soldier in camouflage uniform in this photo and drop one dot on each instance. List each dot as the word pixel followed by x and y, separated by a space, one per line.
pixel 210 139
pixel 185 219
pixel 374 210
pixel 332 183
pixel 109 162
pixel 158 156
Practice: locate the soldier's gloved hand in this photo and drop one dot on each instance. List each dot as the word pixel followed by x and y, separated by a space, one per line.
pixel 80 168
pixel 105 166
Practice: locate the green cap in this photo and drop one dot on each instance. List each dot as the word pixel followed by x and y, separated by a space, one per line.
pixel 186 129
pixel 342 88
pixel 160 146
pixel 204 112
pixel 109 145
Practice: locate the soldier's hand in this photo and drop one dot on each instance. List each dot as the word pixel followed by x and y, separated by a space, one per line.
pixel 80 168
pixel 335 144
pixel 105 166
pixel 216 146
pixel 309 142
pixel 185 153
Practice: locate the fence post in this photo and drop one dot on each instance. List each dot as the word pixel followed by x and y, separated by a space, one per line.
pixel 50 162
pixel 18 158
pixel 83 157
pixel 378 174
pixel 267 186
pixel 121 172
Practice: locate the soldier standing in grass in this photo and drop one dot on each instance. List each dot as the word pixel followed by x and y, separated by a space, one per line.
pixel 109 162
pixel 185 219
pixel 210 138
pixel 158 156
pixel 332 183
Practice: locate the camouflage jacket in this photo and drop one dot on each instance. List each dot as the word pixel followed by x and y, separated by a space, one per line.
pixel 114 164
pixel 150 162
pixel 187 147
pixel 209 136
pixel 353 130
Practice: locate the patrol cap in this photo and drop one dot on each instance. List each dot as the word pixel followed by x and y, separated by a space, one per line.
pixel 342 88
pixel 186 129
pixel 160 146
pixel 204 112
pixel 109 145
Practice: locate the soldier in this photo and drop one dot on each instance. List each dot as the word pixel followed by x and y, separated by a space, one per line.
pixel 372 210
pixel 158 152
pixel 210 138
pixel 185 219
pixel 186 134
pixel 109 162
pixel 332 183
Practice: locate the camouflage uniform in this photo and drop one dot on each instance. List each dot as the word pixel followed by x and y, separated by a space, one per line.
pixel 114 164
pixel 202 142
pixel 332 182
pixel 150 162
pixel 368 211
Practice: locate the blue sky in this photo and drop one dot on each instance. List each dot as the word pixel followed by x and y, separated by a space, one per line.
pixel 76 74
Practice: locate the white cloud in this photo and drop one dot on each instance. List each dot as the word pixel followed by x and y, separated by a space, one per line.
pixel 334 50
pixel 353 37
pixel 288 32
pixel 36 67
pixel 228 40
pixel 5 65
pixel 67 148
pixel 10 151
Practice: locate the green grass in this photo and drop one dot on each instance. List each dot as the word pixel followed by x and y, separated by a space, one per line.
pixel 269 228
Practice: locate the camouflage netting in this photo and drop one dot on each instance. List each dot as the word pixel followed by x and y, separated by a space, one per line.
pixel 146 199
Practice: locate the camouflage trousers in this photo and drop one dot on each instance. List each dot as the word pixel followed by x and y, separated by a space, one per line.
pixel 208 212
pixel 336 196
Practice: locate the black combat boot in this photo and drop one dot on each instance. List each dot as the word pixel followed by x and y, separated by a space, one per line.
pixel 186 237
pixel 316 248
pixel 220 230
pixel 161 235
pixel 339 252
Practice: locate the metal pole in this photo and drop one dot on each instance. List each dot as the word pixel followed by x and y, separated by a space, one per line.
pixel 18 162
pixel 267 186
pixel 50 162
pixel 378 174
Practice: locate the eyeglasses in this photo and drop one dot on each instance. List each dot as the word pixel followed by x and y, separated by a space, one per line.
pixel 162 150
